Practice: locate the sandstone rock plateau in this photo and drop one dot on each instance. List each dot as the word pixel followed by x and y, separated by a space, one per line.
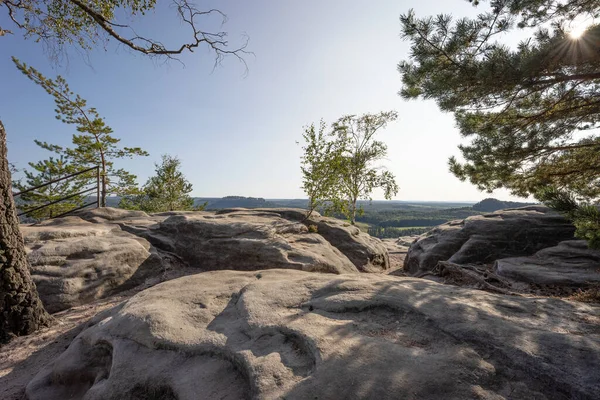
pixel 80 258
pixel 284 334
pixel 531 244
pixel 253 320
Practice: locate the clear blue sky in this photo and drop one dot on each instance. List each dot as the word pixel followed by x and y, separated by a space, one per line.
pixel 236 134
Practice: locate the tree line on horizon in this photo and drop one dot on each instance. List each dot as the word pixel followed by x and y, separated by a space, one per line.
pixel 528 114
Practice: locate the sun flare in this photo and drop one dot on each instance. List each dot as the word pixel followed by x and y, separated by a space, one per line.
pixel 578 26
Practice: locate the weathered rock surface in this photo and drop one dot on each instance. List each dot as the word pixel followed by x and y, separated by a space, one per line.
pixel 367 253
pixel 294 335
pixel 487 238
pixel 74 261
pixel 406 240
pixel 254 239
pixel 571 263
pixel 80 258
pixel 243 240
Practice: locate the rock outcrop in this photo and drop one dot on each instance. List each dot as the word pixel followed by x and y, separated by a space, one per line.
pixel 294 335
pixel 406 241
pixel 243 240
pixel 483 239
pixel 80 258
pixel 571 263
pixel 367 253
pixel 74 261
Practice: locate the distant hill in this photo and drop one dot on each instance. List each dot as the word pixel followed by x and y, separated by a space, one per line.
pixel 213 203
pixel 237 201
pixel 491 205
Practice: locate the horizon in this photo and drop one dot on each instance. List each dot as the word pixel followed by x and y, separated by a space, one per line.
pixel 417 201
pixel 237 133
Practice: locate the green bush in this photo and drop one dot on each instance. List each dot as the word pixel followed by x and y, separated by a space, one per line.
pixel 585 217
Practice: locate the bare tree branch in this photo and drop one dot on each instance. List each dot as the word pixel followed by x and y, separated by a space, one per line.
pixel 46 22
pixel 188 14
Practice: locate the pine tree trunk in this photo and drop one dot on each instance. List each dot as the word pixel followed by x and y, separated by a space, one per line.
pixel 103 199
pixel 21 311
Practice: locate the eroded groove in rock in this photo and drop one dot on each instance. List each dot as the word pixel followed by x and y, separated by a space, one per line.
pixel 297 335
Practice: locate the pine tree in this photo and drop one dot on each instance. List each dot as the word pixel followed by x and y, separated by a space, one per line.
pixel 61 25
pixel 531 111
pixel 95 144
pixel 168 190
pixel 46 171
pixel 67 24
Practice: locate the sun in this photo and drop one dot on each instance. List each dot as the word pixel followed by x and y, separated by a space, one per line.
pixel 577 32
pixel 577 27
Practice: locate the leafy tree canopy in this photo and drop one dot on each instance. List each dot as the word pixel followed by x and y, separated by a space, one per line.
pixel 339 167
pixel 320 166
pixel 530 111
pixel 360 174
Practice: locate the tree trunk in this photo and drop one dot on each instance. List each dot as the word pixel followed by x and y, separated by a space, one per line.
pixel 21 311
pixel 103 199
pixel 353 212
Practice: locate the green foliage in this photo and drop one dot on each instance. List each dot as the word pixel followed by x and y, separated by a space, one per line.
pixel 414 216
pixel 320 168
pixel 41 173
pixel 83 25
pixel 94 145
pixel 338 166
pixel 66 23
pixel 313 229
pixel 358 174
pixel 529 111
pixel 167 191
pixel 585 216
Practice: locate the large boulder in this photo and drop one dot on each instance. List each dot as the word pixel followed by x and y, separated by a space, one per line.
pixel 74 261
pixel 483 239
pixel 243 240
pixel 290 334
pixel 570 263
pixel 83 257
pixel 367 253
